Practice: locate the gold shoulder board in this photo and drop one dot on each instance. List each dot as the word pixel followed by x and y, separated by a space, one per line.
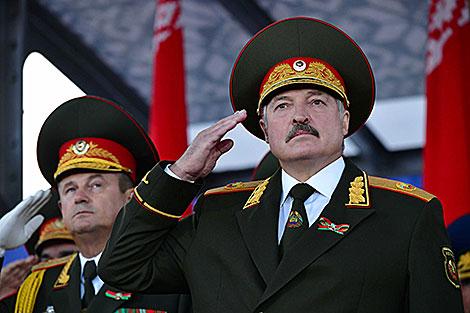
pixel 52 263
pixel 234 187
pixel 398 186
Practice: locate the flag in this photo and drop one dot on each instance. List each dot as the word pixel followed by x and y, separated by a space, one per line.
pixel 446 155
pixel 167 121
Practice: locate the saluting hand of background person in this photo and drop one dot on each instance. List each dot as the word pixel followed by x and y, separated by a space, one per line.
pixel 17 226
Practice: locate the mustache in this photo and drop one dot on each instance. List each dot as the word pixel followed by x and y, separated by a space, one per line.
pixel 301 127
pixel 82 207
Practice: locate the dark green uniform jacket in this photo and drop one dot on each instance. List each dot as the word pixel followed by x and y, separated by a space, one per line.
pixel 56 285
pixel 378 246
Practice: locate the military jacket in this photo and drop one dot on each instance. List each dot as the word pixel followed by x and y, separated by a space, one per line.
pixel 378 246
pixel 55 287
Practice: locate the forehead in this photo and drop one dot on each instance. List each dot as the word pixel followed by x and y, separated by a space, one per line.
pixel 76 178
pixel 290 93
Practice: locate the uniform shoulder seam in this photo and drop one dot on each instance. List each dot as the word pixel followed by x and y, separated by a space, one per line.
pixel 52 263
pixel 234 187
pixel 400 187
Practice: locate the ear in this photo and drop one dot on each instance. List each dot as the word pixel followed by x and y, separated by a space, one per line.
pixel 129 192
pixel 264 128
pixel 345 122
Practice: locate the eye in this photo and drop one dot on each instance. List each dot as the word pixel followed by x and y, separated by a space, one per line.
pixel 69 190
pixel 317 101
pixel 282 105
pixel 96 185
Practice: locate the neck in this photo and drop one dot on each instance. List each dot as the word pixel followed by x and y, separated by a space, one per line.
pixel 90 244
pixel 303 169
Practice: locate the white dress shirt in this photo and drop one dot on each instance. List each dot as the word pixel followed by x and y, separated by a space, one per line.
pixel 97 282
pixel 324 182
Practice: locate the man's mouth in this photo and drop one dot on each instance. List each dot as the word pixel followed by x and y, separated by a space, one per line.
pixel 82 212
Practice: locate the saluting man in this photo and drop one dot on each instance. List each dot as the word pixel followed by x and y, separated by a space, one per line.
pixel 319 235
pixel 93 152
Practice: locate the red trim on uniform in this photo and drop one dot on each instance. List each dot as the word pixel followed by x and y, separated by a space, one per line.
pixel 46 266
pixel 402 192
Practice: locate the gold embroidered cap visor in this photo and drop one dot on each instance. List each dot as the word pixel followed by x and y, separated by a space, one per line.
pixel 101 136
pixel 53 230
pixel 340 68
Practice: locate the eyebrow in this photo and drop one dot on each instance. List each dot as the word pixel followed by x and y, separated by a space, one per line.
pixel 73 182
pixel 279 98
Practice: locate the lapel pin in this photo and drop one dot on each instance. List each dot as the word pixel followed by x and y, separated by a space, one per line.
pixel 326 224
pixel 118 295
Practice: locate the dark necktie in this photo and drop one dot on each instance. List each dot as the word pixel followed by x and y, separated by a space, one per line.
pixel 297 222
pixel 89 273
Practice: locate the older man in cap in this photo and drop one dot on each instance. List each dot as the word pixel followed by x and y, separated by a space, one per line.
pixel 319 235
pixel 93 152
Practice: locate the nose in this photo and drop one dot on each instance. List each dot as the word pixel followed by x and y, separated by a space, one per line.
pixel 300 115
pixel 81 196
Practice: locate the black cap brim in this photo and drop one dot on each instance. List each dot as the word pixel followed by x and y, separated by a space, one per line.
pixel 302 37
pixel 93 117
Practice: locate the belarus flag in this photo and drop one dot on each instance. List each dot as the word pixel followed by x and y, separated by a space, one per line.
pixel 167 122
pixel 447 149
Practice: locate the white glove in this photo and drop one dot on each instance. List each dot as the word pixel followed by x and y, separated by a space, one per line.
pixel 17 226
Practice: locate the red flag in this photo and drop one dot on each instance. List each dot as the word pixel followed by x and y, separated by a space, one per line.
pixel 447 150
pixel 167 123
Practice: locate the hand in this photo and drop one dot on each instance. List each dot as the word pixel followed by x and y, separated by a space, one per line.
pixel 13 274
pixel 17 226
pixel 201 156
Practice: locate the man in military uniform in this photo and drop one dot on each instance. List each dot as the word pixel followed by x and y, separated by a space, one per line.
pixel 93 152
pixel 319 235
pixel 54 242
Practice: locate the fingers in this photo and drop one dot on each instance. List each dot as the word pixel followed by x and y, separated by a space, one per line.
pixel 31 205
pixel 224 146
pixel 201 156
pixel 32 225
pixel 223 126
pixel 14 273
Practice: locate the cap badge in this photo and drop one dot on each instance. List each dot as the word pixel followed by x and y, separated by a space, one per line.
pixel 326 224
pixel 299 65
pixel 450 268
pixel 81 147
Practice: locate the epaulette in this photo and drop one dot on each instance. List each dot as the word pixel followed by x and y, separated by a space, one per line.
pixel 232 187
pixel 398 186
pixel 52 263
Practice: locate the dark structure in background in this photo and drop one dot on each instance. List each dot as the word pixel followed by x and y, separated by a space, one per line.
pixel 27 26
pixel 12 28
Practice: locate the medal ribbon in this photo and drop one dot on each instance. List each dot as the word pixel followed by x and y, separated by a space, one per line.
pixel 326 224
